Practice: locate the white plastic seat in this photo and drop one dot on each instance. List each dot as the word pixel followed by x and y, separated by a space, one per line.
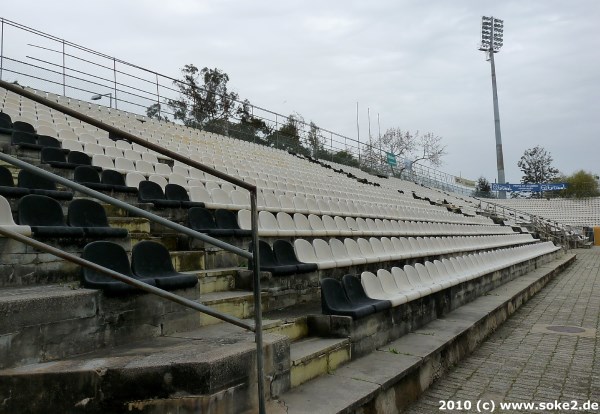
pixel 389 286
pixel 199 194
pixel 324 254
pixel 379 250
pixel 93 149
pixel 113 152
pixel 240 198
pixel 72 145
pixel 101 160
pixel 133 179
pixel 162 169
pixel 342 226
pixel 354 252
pixel 305 252
pixel 287 204
pixel 317 227
pixel 271 202
pixel 303 227
pixel 411 292
pixel 372 286
pixel 7 222
pixel 435 275
pixel 144 167
pixel 132 155
pixel 340 254
pixel 286 223
pixel 158 179
pixel 122 144
pixel 149 157
pixel 178 179
pixel 123 165
pixel 367 251
pixel 300 205
pixel 416 281
pixel 245 220
pixel 390 250
pixel 364 227
pixel 221 199
pixel 267 224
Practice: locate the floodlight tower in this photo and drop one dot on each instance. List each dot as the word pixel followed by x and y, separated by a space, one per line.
pixel 492 32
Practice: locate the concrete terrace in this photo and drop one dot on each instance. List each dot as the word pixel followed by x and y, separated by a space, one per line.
pixel 523 361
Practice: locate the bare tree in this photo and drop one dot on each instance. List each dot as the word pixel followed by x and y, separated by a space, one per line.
pixel 413 147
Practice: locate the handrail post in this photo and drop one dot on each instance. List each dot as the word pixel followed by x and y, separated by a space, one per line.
pixel 257 302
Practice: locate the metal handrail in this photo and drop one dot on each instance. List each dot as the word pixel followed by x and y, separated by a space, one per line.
pixel 124 278
pixel 130 137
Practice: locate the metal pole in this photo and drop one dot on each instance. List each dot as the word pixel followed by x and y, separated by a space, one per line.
pixel 358 133
pixel 63 69
pixel 2 49
pixel 499 154
pixel 257 303
pixel 115 78
pixel 158 96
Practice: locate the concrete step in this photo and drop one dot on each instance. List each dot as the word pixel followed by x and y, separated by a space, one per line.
pixel 391 377
pixel 235 303
pixel 133 224
pixel 187 260
pixel 211 366
pixel 313 357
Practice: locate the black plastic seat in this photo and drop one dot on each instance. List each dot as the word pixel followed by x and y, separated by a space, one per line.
pixel 41 186
pixel 357 296
pixel 178 193
pixel 91 216
pixel 88 176
pixel 5 122
pixel 201 219
pixel 7 185
pixel 117 182
pixel 335 302
pixel 21 126
pixel 113 257
pixel 55 157
pixel 269 263
pixel 24 140
pixel 81 158
pixel 48 141
pixel 151 260
pixel 227 219
pixel 45 217
pixel 285 254
pixel 151 192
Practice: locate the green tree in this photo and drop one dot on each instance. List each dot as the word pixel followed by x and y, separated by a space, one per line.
pixel 204 100
pixel 483 188
pixel 536 165
pixel 580 184
pixel 154 112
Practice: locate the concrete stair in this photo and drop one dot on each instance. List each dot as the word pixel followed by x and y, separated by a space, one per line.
pixel 312 357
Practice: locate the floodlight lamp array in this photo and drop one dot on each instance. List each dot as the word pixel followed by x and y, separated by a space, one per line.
pixel 492 32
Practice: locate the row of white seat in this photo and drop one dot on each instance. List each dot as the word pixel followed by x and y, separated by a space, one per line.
pixel 412 282
pixel 350 252
pixel 299 225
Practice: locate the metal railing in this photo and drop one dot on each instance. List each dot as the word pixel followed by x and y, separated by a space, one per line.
pixel 254 256
pixel 549 229
pixel 65 68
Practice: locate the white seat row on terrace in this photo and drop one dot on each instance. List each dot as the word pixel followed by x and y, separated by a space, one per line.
pixel 350 252
pixel 285 224
pixel 412 282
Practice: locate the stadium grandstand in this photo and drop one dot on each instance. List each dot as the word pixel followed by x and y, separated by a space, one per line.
pixel 153 267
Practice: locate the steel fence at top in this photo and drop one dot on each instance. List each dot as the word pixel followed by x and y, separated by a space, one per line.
pixel 46 62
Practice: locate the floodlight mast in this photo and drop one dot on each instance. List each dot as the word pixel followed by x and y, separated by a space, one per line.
pixel 492 32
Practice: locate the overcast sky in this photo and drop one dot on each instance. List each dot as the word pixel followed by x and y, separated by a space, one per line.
pixel 415 63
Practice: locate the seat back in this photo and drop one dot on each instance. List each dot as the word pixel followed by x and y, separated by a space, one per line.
pixel 149 190
pixel 333 296
pixel 150 259
pixel 39 210
pixel 48 141
pixel 79 158
pixel 107 254
pixel 200 218
pixel 265 254
pixel 176 192
pixel 86 174
pixel 113 177
pixel 33 181
pixel 21 126
pixel 6 178
pixel 86 213
pixel 354 289
pixel 284 252
pixel 226 219
pixel 50 154
pixel 23 138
